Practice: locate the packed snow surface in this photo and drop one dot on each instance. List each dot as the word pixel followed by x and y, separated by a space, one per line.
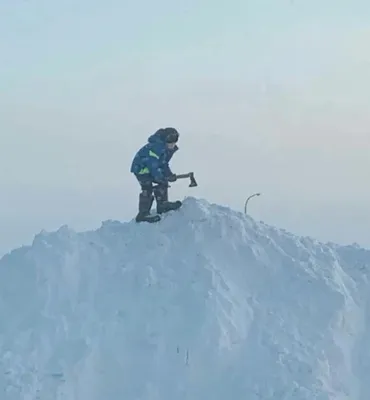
pixel 206 304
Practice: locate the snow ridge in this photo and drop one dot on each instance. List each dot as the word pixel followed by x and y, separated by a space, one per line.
pixel 208 303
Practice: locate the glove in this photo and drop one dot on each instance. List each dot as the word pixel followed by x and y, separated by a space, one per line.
pixel 172 178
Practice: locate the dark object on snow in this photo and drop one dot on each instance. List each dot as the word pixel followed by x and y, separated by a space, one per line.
pixel 151 168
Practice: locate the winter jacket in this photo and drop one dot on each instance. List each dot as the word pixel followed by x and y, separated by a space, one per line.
pixel 151 161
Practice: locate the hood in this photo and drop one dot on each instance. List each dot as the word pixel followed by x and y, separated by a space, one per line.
pixel 157 138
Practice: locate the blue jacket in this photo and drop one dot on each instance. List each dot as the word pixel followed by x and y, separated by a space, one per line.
pixel 152 159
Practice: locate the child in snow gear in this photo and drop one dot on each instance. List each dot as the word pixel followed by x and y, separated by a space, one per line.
pixel 151 168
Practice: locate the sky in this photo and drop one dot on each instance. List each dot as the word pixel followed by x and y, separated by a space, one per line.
pixel 269 96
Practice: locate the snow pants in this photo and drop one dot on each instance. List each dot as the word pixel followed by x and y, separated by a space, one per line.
pixel 151 189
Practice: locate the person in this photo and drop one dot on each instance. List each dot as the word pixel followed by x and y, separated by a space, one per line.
pixel 151 168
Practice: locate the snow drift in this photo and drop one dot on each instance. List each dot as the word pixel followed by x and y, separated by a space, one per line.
pixel 206 304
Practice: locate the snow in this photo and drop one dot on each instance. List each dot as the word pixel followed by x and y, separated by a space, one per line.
pixel 206 304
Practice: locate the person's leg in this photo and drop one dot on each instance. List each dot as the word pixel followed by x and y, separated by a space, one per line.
pixel 161 196
pixel 146 199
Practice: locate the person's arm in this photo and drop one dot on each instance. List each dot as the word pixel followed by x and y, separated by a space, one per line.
pixel 155 164
pixel 166 168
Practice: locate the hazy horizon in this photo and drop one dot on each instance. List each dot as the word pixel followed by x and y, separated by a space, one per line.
pixel 268 96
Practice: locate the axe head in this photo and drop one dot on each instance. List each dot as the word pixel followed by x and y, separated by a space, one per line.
pixel 193 182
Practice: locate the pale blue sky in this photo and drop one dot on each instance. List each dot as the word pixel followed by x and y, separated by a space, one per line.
pixel 269 96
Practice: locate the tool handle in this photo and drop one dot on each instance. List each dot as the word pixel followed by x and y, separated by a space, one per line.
pixel 183 176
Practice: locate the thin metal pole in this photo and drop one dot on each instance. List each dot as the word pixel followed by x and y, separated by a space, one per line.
pixel 246 202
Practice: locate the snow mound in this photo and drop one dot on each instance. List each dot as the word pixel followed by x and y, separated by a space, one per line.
pixel 206 304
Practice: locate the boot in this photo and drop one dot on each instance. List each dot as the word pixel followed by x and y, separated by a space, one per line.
pixel 145 204
pixel 161 196
pixel 168 206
